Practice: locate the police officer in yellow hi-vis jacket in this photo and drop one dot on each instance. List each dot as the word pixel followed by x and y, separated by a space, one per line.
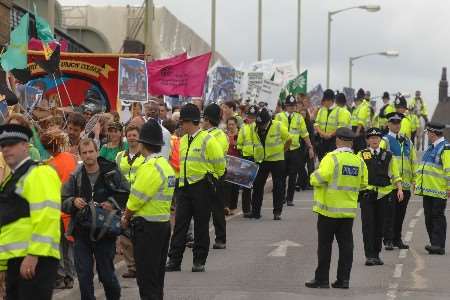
pixel 433 183
pixel 30 212
pixel 295 123
pixel 202 163
pixel 383 176
pixel 360 120
pixel 148 208
pixel 245 145
pixel 270 139
pixel 211 119
pixel 337 182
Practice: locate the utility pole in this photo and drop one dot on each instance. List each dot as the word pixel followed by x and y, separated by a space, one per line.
pixel 299 24
pixel 259 29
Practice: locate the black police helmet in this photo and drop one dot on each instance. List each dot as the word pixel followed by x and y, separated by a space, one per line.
pixel 263 117
pixel 328 95
pixel 190 112
pixel 212 112
pixel 151 133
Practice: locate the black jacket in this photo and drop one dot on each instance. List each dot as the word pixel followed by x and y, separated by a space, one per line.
pixel 110 183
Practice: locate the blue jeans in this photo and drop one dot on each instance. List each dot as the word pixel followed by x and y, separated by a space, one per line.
pixel 103 251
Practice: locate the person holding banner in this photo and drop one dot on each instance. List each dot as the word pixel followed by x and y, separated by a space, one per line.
pixel 270 139
pixel 245 145
pixel 211 119
pixel 199 173
pixel 297 129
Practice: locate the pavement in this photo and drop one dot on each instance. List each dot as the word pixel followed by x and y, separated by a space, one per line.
pixel 268 259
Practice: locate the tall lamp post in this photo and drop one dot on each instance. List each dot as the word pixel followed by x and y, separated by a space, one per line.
pixel 299 15
pixel 259 30
pixel 369 8
pixel 352 59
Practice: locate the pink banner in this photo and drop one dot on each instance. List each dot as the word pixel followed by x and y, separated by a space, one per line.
pixel 185 78
pixel 160 63
pixel 35 44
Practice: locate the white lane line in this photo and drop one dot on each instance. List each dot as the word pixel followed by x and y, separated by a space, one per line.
pixel 408 236
pixel 403 253
pixel 419 213
pixel 420 282
pixel 398 271
pixel 413 223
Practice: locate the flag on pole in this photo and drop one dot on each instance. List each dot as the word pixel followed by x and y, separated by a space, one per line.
pixel 15 57
pixel 160 63
pixel 298 84
pixel 44 33
pixel 185 78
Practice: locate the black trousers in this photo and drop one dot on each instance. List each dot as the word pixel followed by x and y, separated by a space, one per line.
pixel 324 146
pixel 277 169
pixel 372 218
pixel 194 201
pixel 150 244
pixel 395 215
pixel 292 162
pixel 305 169
pixel 218 213
pixel 328 228
pixel 231 195
pixel 435 221
pixel 38 288
pixel 247 194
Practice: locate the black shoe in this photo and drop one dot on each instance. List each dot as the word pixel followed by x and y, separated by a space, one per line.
pixel 255 216
pixel 314 284
pixel 197 267
pixel 277 217
pixel 370 261
pixel 435 250
pixel 219 245
pixel 341 284
pixel 290 203
pixel 378 261
pixel 248 215
pixel 173 267
pixel 298 188
pixel 400 245
pixel 388 246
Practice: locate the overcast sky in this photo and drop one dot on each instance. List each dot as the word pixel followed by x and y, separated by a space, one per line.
pixel 416 28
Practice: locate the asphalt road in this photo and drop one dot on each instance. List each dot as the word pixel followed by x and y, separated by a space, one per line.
pixel 268 259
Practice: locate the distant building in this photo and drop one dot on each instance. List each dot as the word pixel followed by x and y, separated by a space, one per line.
pixel 442 111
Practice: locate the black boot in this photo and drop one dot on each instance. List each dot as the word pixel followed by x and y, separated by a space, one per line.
pixel 341 284
pixel 315 284
pixel 400 245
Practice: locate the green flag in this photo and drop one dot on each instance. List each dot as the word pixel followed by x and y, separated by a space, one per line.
pixel 298 84
pixel 43 29
pixel 15 56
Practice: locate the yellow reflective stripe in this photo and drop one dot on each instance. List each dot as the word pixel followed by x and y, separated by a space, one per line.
pixel 161 197
pixel 446 170
pixel 319 178
pixel 334 209
pixel 435 174
pixel 158 218
pixel 45 240
pixel 13 246
pixel 45 204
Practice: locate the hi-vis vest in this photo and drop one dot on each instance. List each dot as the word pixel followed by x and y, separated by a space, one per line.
pixel 245 139
pixel 433 173
pixel 337 182
pixel 39 233
pixel 221 138
pixel 127 170
pixel 328 120
pixel 404 154
pixel 152 191
pixel 406 126
pixel 273 148
pixel 381 120
pixel 203 155
pixel 297 127
pixel 361 115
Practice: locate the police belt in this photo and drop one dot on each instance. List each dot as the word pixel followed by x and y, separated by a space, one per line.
pixel 12 206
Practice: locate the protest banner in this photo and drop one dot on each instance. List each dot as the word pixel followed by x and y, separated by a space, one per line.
pixel 238 83
pixel 222 85
pixel 284 72
pixel 269 93
pixel 132 80
pixel 241 171
pixel 349 95
pixel 315 95
pixel 254 85
pixel 161 63
pixel 185 78
pixel 298 85
pixel 86 78
pixel 262 66
pixel 29 96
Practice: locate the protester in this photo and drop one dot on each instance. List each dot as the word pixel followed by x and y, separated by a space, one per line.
pixel 75 126
pixel 115 142
pixel 152 112
pixel 232 190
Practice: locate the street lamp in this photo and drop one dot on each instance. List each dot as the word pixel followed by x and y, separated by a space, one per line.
pixel 369 8
pixel 390 53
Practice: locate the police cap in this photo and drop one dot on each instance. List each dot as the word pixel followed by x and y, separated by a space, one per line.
pixel 345 134
pixel 435 127
pixel 290 100
pixel 374 131
pixel 151 133
pixel 400 102
pixel 11 134
pixel 395 117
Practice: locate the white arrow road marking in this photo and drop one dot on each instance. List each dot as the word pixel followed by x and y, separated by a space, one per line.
pixel 281 248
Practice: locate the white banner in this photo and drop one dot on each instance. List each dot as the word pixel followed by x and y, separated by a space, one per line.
pixel 254 85
pixel 269 93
